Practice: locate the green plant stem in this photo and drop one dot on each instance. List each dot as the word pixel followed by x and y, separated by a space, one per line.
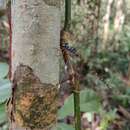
pixel 77 107
pixel 75 82
pixel 67 15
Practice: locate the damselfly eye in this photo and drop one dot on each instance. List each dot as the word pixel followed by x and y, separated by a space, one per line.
pixel 65 45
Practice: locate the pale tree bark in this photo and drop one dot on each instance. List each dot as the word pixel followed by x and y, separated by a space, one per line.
pixel 118 22
pixel 35 65
pixel 120 15
pixel 93 8
pixel 93 17
pixel 106 20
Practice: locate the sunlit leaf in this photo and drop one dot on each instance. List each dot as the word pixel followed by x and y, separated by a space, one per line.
pixel 5 90
pixel 4 68
pixel 88 116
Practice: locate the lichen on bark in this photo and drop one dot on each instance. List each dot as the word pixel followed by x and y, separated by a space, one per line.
pixel 34 102
pixel 55 3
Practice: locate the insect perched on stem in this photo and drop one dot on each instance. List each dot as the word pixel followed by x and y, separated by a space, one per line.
pixel 67 47
pixel 70 49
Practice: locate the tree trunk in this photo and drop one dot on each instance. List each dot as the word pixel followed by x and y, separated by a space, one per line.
pixel 118 22
pixel 107 24
pixel 120 16
pixel 93 17
pixel 35 65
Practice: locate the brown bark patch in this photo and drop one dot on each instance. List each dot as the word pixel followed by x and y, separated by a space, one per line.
pixel 34 103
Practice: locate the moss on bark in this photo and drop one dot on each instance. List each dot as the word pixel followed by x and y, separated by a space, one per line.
pixel 34 103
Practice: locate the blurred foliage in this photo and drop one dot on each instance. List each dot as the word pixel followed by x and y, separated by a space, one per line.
pixel 103 72
pixel 107 118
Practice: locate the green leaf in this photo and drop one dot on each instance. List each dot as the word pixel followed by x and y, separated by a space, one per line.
pixel 68 107
pixel 89 102
pixel 3 82
pixel 5 90
pixel 4 69
pixel 3 116
pixel 92 106
pixel 63 126
pixel 88 95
